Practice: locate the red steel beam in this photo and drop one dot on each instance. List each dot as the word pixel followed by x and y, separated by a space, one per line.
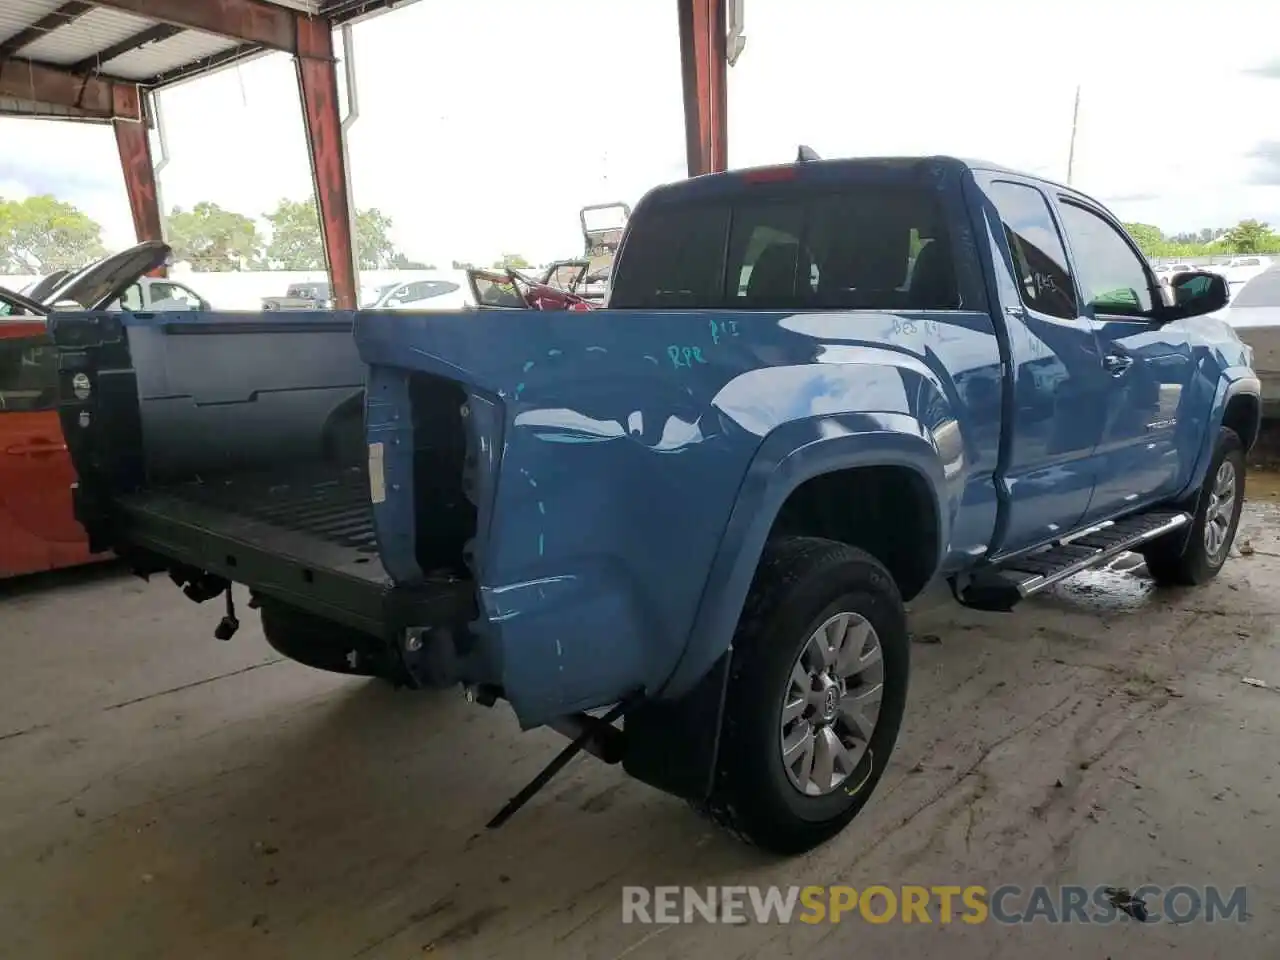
pixel 133 141
pixel 318 85
pixel 703 69
pixel 249 21
pixel 91 97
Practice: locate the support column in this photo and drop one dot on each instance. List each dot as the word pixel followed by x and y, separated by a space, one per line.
pixel 703 70
pixel 318 86
pixel 133 142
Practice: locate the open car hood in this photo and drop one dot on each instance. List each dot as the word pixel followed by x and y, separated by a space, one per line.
pixel 19 304
pixel 98 284
pixel 46 285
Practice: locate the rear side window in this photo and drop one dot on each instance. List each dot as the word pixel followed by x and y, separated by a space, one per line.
pixel 674 259
pixel 876 246
pixel 1043 277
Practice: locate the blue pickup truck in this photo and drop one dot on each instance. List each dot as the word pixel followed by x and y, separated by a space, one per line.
pixel 681 530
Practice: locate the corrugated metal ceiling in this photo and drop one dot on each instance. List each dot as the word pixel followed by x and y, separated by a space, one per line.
pixel 188 47
pixel 85 36
pixel 17 15
pixel 80 38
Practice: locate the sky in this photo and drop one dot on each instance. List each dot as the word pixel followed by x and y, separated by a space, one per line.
pixel 483 127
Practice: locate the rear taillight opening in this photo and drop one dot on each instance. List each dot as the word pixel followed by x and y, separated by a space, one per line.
pixel 445 515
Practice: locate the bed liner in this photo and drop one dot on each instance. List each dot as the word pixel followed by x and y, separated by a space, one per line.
pixel 303 535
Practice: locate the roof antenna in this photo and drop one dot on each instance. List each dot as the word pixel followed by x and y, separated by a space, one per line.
pixel 806 154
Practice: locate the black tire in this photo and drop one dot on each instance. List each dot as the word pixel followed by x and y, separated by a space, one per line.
pixel 1183 559
pixel 801 582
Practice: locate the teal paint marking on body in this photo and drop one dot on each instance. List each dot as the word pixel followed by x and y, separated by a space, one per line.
pixel 722 328
pixel 684 356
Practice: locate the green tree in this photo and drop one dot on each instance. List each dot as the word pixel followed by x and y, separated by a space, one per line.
pixel 512 261
pixel 213 239
pixel 373 241
pixel 42 234
pixel 296 242
pixel 1251 236
pixel 400 262
pixel 1147 237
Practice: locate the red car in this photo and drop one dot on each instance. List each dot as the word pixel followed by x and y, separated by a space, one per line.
pixel 512 290
pixel 38 529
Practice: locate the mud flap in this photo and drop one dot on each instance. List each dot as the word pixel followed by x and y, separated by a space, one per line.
pixel 674 744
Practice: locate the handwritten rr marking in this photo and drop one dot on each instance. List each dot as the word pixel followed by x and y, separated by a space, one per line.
pixel 684 356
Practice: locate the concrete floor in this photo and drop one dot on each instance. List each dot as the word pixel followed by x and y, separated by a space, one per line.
pixel 166 795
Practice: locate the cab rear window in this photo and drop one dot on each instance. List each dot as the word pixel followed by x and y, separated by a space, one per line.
pixel 872 246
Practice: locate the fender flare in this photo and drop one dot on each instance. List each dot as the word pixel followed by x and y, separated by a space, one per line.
pixel 1235 382
pixel 789 456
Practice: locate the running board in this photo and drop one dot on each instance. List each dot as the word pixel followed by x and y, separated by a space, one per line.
pixel 1000 587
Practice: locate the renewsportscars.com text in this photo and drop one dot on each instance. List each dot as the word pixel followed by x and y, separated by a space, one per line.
pixel 943 904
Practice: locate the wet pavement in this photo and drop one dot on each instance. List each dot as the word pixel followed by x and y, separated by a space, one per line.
pixel 166 795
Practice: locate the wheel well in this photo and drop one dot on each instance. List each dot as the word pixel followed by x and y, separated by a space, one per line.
pixel 1242 416
pixel 887 511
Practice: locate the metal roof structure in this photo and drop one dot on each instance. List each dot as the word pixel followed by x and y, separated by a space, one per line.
pixel 71 58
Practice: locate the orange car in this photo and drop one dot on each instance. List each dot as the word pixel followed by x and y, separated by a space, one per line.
pixel 38 529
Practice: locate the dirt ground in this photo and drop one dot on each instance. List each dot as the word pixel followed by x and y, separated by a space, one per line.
pixel 166 795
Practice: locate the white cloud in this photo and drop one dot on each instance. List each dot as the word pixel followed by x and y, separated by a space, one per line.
pixel 484 126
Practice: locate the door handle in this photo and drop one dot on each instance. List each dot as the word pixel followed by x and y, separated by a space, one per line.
pixel 1116 363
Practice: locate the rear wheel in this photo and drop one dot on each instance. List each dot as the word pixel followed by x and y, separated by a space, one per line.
pixel 1188 559
pixel 816 695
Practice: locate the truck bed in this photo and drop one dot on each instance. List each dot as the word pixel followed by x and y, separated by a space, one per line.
pixel 304 535
pixel 321 515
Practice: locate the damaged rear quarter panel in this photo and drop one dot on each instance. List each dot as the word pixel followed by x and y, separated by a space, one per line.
pixel 626 440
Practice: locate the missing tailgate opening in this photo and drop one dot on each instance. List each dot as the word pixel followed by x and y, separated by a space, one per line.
pixel 445 516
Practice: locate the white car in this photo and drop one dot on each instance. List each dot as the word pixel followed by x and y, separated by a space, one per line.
pixel 442 292
pixel 1255 314
pixel 149 294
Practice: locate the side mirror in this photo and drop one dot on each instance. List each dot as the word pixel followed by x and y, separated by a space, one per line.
pixel 1198 292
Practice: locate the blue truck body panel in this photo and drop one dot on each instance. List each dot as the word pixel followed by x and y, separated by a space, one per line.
pixel 650 433
pixel 626 465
